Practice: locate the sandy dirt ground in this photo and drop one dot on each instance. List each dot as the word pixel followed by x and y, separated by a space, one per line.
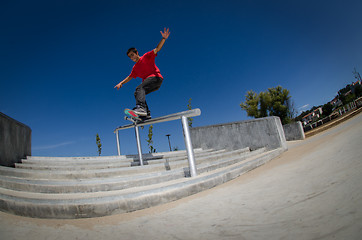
pixel 312 191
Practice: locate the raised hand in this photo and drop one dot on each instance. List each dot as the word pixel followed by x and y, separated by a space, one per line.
pixel 165 33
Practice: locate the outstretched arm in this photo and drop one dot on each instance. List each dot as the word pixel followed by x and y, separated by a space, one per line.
pixel 165 34
pixel 126 80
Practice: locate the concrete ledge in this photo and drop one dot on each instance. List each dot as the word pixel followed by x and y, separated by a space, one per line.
pixel 15 141
pixel 294 131
pixel 258 133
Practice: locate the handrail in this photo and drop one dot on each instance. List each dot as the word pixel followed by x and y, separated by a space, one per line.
pixel 175 116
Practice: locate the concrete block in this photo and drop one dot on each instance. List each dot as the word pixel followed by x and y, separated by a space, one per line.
pixel 258 133
pixel 15 141
pixel 294 131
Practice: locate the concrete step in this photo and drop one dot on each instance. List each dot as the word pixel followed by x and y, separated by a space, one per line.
pixel 114 163
pixel 74 166
pixel 204 153
pixel 117 182
pixel 96 204
pixel 78 174
pixel 88 160
pixel 87 185
pixel 83 173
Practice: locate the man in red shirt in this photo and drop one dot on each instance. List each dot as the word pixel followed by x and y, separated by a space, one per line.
pixel 146 69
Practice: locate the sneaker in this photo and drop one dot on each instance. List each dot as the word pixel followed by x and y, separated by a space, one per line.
pixel 140 111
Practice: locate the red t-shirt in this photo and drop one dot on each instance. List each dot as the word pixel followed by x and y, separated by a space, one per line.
pixel 146 67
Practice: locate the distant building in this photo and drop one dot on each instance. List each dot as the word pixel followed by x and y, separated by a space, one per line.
pixel 312 116
pixel 336 102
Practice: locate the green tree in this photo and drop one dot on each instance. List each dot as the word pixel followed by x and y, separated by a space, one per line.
pixel 149 140
pixel 327 109
pixel 349 98
pixel 273 102
pixel 358 91
pixel 99 145
pixel 251 104
pixel 264 102
pixel 279 103
pixel 189 120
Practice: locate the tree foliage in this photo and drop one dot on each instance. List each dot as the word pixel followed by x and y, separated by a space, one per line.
pixel 189 120
pixel 327 109
pixel 273 102
pixel 358 91
pixel 99 145
pixel 149 140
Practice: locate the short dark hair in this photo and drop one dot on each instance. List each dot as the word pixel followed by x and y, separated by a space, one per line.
pixel 132 49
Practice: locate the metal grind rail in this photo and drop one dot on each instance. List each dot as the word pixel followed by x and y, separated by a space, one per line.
pixel 175 116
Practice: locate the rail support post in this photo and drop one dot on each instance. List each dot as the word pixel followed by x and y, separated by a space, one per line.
pixel 138 144
pixel 118 146
pixel 189 148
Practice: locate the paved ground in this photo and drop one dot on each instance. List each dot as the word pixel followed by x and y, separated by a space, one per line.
pixel 313 191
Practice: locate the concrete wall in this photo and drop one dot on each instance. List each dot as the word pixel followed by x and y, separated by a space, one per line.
pixel 262 132
pixel 294 131
pixel 15 141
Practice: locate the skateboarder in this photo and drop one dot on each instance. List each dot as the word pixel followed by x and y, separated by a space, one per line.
pixel 146 69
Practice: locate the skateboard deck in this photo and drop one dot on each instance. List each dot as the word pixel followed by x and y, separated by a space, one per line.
pixel 134 116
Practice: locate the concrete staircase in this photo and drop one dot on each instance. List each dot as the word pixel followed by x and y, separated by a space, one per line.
pixel 83 187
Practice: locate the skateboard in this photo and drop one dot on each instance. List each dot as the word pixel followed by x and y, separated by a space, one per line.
pixel 134 117
pixel 131 115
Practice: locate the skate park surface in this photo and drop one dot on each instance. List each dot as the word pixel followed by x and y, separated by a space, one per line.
pixel 312 191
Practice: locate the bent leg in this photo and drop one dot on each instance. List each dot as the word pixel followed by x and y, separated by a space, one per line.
pixel 149 85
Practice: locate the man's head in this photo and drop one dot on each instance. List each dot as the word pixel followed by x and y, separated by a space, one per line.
pixel 132 53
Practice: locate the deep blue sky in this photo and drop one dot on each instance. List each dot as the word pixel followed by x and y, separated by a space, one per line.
pixel 59 62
